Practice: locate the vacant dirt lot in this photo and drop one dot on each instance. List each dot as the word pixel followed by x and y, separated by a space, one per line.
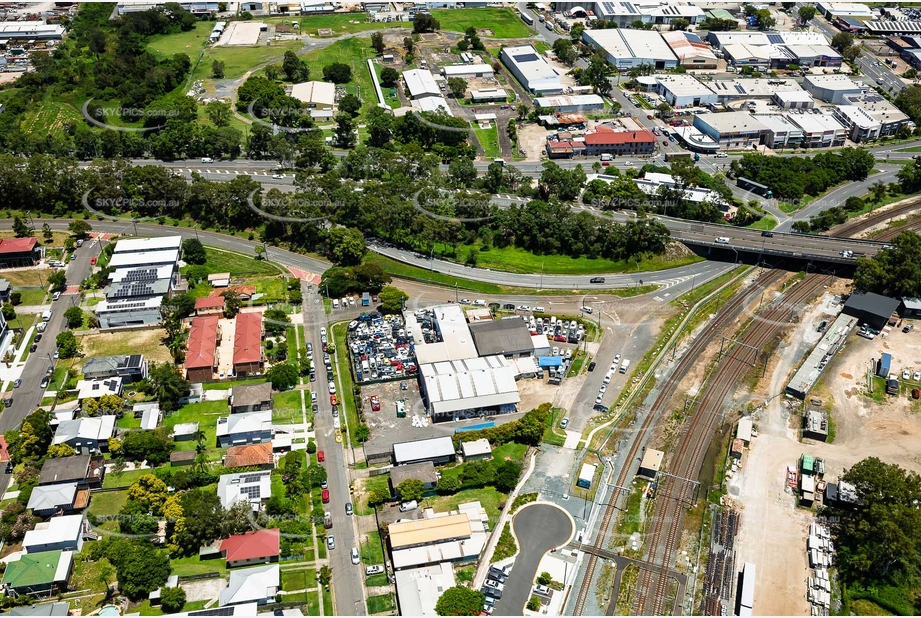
pixel 146 342
pixel 773 532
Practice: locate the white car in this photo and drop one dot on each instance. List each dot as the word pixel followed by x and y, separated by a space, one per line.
pixel 617 358
pixel 521 307
pixel 354 554
pixel 278 176
pixel 374 570
pixel 598 399
pixel 587 310
pixel 917 376
pixel 603 388
pixel 322 332
pixel 556 350
pixel 479 302
pixel 721 155
pixel 906 374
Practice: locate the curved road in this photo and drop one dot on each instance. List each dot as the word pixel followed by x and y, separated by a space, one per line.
pixel 556 529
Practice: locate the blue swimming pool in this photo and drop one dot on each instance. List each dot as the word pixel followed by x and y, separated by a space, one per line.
pixel 109 610
pixel 475 427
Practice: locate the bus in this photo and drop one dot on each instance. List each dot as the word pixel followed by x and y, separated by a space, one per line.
pixel 526 18
pixel 754 187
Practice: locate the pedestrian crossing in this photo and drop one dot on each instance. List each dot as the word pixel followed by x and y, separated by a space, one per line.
pixel 236 173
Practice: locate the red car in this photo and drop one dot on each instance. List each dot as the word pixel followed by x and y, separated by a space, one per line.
pixel 605 163
pixel 92 261
pixel 321 456
pixel 916 394
pixel 375 403
pixel 333 400
pixel 325 496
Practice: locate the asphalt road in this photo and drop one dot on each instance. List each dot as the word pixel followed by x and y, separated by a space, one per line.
pixel 555 528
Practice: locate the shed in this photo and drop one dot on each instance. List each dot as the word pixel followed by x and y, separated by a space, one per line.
pixel 871 309
pixel 807 465
pixel 436 450
pixel 737 447
pixel 651 463
pixel 509 338
pixel 586 476
pixel 424 471
pixel 744 430
pixel 911 307
pixel 476 449
pixel 181 458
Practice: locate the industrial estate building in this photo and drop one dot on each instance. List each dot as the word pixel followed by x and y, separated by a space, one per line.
pixel 531 70
pixel 626 49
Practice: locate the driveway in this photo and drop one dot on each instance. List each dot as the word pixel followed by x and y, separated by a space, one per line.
pixel 556 529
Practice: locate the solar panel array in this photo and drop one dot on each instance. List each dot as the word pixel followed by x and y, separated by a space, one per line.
pixel 133 289
pixel 252 492
pixel 526 58
pixel 775 39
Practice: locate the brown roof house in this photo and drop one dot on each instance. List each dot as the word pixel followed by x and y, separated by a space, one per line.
pixel 247 345
pixel 251 398
pixel 250 456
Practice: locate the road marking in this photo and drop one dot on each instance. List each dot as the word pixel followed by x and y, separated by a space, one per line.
pixel 658 299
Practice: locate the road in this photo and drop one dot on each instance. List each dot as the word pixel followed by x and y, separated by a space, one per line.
pixel 29 395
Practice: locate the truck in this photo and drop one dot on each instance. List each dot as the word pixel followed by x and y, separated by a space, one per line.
pixel 884 365
pixel 754 187
pixel 892 386
pixel 365 299
pixel 624 365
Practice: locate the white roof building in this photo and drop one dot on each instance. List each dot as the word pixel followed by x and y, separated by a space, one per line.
pixel 64 532
pixel 844 9
pixel 247 422
pixel 531 69
pixel 419 589
pixel 421 83
pixel 320 94
pixel 832 88
pixel 91 389
pixel 574 102
pixel 164 271
pixel 680 90
pixel 476 448
pixel 252 487
pixel 144 258
pixel 259 584
pixel 433 104
pixel 30 30
pixel 652 182
pixel 92 428
pixel 470 384
pixel 423 450
pixel 467 71
pixel 457 342
pixel 626 48
pixel 156 243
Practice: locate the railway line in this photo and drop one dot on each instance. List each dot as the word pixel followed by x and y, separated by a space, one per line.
pixel 693 446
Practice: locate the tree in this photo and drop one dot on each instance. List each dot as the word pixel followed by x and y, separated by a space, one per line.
pixel 60 450
pixel 15 521
pixel 31 442
pixel 851 53
pixel 457 86
pixel 219 113
pixel 507 474
pixel 376 497
pixel 232 303
pixel 680 24
pixel 664 110
pixel 565 51
pixel 392 299
pixel 140 568
pixel 151 446
pixel 544 579
pixel 8 311
pixel 291 65
pixel 460 601
pixel 345 130
pixel 878 191
pixel 283 376
pixel 377 42
pixel 182 305
pixel 58 281
pixel 534 603
pixel 314 475
pixel 842 41
pixel 424 22
pixel 346 246
pixel 107 404
pixel 408 44
pixel 362 432
pixel 895 272
pixel 193 252
pixel 389 76
pixel 350 104
pixel 21 229
pixel 68 346
pixel 167 385
pixel 202 520
pixel 337 73
pixel 325 575
pixel 448 485
pixel 74 316
pixel 172 600
pixel 598 75
pixel 806 13
pixel 411 489
pixel 217 69
pixel 79 228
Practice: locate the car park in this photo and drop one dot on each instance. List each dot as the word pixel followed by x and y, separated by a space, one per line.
pixel 382 349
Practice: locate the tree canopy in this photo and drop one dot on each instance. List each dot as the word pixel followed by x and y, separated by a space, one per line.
pixel 896 271
pixel 460 601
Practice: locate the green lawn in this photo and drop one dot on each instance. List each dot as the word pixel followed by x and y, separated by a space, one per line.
pixel 510 450
pixel 165 45
pixel 287 408
pixel 123 479
pixel 377 580
pixel 238 60
pixel 371 550
pixel 327 603
pixel 553 435
pixel 399 269
pixel 489 497
pixel 313 604
pixel 347 393
pixel 297 580
pixel 221 386
pixel 380 603
pixel 31 296
pixel 369 484
pixel 291 341
pixel 353 52
pixel 128 421
pixel 390 94
pixel 237 264
pixel 489 140
pixel 504 23
pixel 205 414
pixel 767 222
pixel 106 505
pixel 345 23
pixel 191 565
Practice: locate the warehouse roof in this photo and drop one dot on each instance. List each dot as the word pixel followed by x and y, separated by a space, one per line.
pixel 418 450
pixel 470 384
pixel 428 531
pixel 323 93
pixel 159 243
pixel 732 122
pixel 528 62
pixel 629 44
pixel 501 337
pixel 688 46
pixel 868 302
pixel 421 83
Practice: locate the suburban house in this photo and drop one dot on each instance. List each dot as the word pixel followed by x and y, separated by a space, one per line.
pixel 51 500
pixel 93 389
pixel 253 487
pixel 259 547
pixel 183 432
pixel 248 428
pixel 58 533
pixel 40 575
pixel 89 434
pixel 250 456
pixel 201 357
pixel 247 345
pixel 257 584
pixel 85 471
pixel 219 280
pixel 130 369
pixel 251 398
pixel 424 471
pixel 149 413
pixel 209 305
pixel 182 458
pixel 438 450
pixel 19 252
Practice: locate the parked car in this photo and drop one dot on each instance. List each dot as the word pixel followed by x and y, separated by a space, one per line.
pixel 374 570
pixel 321 456
pixel 348 508
pixel 591 366
pixel 325 496
pixel 17 383
pixel 375 403
pixel 93 261
pixel 907 329
pixel 44 383
pixel 906 374
pixel 916 376
pixel 354 555
pixel 330 542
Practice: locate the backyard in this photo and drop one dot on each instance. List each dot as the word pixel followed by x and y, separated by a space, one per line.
pixel 237 264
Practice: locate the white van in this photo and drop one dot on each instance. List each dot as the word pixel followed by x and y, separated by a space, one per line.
pixel 538 310
pixel 409 506
pixel 335 303
pixel 607 377
pixel 624 365
pixel 723 240
pixel 46 316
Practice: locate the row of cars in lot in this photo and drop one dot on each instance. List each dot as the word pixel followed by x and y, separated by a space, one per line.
pixel 617 365
pixel 381 348
pixel 493 587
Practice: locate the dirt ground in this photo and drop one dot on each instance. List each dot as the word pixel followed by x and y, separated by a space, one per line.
pixel 773 531
pixel 149 342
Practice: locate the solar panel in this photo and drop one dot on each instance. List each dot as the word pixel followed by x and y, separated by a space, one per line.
pixel 740 89
pixel 526 58
pixel 775 39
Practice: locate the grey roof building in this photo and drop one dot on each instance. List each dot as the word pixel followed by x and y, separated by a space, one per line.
pixel 436 450
pixel 503 337
pixel 423 471
pixel 871 309
pixel 130 368
pixel 45 609
pixel 251 398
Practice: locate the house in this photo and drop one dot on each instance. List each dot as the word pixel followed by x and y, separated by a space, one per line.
pixel 182 458
pixel 476 449
pixel 93 389
pixel 250 456
pixel 44 609
pixel 81 469
pixel 87 434
pixel 130 368
pixel 209 305
pixel 183 432
pixel 4 291
pixel 51 500
pixel 252 487
pixel 40 575
pixel 247 344
pixel 248 428
pixel 219 280
pixel 257 584
pixel 201 357
pixel 259 547
pixel 423 471
pixel 251 398
pixel 58 533
pixel 19 252
pixel 436 450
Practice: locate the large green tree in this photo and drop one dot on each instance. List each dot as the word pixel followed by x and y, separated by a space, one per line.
pixel 167 385
pixel 411 489
pixel 460 601
pixel 346 246
pixel 392 298
pixel 895 271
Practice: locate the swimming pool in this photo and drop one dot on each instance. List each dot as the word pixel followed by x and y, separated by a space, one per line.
pixel 110 610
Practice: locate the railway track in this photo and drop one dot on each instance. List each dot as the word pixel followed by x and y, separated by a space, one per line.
pixel 725 316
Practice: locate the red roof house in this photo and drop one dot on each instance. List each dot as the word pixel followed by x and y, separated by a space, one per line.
pixel 209 305
pixel 247 344
pixel 259 547
pixel 250 455
pixel 17 252
pixel 201 356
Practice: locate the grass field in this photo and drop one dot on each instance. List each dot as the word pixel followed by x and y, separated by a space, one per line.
pixel 345 23
pixel 371 550
pixel 392 101
pixel 51 116
pixel 489 140
pixel 380 603
pixel 129 342
pixel 377 580
pixel 27 278
pixel 31 296
pixel 238 60
pixel 367 485
pixel 286 408
pixel 489 497
pixel 165 45
pixel 191 565
pixel 504 23
pixel 206 414
pixel 123 479
pixel 353 52
pixel 767 222
pixel 108 504
pixel 237 264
